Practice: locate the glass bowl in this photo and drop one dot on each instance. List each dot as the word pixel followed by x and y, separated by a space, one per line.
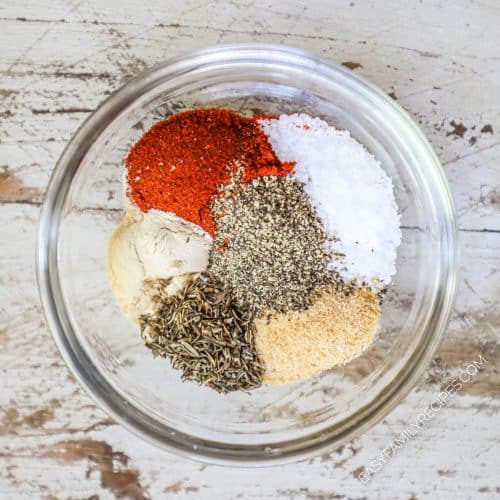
pixel 273 424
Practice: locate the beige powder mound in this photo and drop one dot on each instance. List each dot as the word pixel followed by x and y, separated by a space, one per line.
pixel 301 344
pixel 150 246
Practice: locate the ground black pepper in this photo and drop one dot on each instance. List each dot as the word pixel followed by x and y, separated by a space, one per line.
pixel 270 245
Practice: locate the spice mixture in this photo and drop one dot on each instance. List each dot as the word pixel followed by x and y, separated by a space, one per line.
pixel 183 162
pixel 253 250
pixel 350 191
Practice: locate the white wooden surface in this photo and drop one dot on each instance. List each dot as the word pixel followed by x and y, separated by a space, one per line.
pixel 58 59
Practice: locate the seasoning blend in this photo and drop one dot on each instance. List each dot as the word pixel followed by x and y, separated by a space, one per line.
pixel 256 249
pixel 350 191
pixel 180 164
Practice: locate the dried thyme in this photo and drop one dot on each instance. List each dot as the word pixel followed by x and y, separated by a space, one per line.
pixel 206 334
pixel 270 245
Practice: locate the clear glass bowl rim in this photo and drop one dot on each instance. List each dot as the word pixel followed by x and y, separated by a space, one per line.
pixel 100 390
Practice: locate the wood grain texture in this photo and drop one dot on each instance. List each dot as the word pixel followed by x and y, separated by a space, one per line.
pixel 59 59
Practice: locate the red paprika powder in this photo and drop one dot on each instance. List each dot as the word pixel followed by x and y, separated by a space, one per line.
pixel 180 164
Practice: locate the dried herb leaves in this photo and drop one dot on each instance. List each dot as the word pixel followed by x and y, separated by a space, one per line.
pixel 206 334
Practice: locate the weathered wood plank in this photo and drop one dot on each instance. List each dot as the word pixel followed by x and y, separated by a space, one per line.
pixel 319 19
pixel 46 93
pixel 109 462
pixel 58 60
pixel 34 133
pixel 52 433
pixel 472 330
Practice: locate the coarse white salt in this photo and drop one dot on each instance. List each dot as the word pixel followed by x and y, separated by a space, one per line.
pixel 351 192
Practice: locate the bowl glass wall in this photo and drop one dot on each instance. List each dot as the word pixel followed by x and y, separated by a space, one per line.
pixel 273 423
